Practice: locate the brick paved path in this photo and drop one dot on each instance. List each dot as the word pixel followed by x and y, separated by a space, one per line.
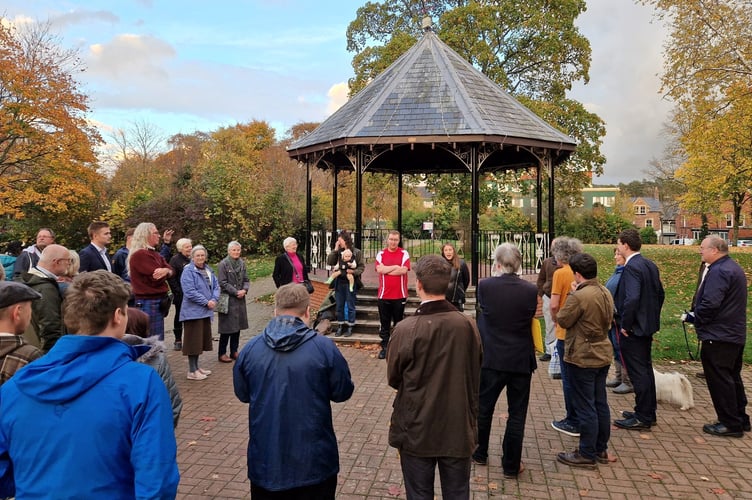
pixel 675 460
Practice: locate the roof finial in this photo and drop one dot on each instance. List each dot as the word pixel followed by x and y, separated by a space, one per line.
pixel 427 23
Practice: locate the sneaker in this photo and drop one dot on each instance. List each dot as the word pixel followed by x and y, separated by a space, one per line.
pixel 545 357
pixel 623 389
pixel 613 382
pixel 178 345
pixel 204 371
pixel 566 428
pixel 574 459
pixel 382 354
pixel 197 375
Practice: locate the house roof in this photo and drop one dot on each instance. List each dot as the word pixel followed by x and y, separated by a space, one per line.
pixel 653 204
pixel 431 94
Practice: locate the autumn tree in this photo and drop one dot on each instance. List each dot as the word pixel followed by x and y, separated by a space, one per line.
pixel 531 49
pixel 48 169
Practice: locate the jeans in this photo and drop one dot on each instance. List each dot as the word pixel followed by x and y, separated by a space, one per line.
pixel 566 388
pixel 492 382
pixel 419 473
pixel 345 300
pixel 588 390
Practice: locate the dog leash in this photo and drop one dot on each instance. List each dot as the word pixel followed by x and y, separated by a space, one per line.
pixel 696 356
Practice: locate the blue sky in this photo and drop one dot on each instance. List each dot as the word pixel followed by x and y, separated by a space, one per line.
pixel 189 65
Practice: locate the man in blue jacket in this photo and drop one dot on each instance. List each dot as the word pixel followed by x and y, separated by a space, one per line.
pixel 289 374
pixel 87 420
pixel 720 318
pixel 638 300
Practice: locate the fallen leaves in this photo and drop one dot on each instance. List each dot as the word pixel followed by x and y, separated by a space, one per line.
pixel 656 475
pixel 394 490
pixel 208 419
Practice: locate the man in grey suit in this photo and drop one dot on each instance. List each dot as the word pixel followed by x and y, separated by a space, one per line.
pixel 638 300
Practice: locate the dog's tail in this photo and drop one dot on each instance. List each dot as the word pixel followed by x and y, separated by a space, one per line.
pixel 686 386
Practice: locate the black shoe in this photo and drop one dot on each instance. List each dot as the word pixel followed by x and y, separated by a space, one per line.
pixel 632 424
pixel 630 414
pixel 348 331
pixel 382 354
pixel 746 427
pixel 545 357
pixel 556 376
pixel 340 331
pixel 700 375
pixel 480 461
pixel 574 459
pixel 718 429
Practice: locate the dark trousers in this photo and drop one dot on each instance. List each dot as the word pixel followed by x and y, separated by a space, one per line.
pixel 589 398
pixel 636 352
pixel 391 312
pixel 566 388
pixel 345 300
pixel 419 474
pixel 492 382
pixel 321 491
pixel 177 325
pixel 232 338
pixel 722 364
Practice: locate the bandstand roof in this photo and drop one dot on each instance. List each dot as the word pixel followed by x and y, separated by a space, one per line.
pixel 432 96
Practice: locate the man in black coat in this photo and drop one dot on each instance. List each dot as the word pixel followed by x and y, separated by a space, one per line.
pixel 506 307
pixel 638 300
pixel 94 257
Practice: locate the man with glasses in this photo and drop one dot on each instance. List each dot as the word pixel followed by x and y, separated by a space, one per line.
pixel 30 255
pixel 46 313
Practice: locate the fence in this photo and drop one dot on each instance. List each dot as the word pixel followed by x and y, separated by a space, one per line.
pixel 532 246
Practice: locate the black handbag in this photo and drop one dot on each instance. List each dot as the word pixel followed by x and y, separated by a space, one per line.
pixel 164 304
pixel 308 286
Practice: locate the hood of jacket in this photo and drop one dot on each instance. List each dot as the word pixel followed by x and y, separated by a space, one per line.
pixel 287 333
pixel 66 372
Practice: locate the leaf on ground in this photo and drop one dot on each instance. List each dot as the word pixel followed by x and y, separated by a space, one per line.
pixel 718 491
pixel 208 419
pixel 215 476
pixel 192 443
pixel 644 435
pixel 699 440
pixel 655 475
pixel 394 490
pixel 703 478
pixel 584 493
pixel 493 486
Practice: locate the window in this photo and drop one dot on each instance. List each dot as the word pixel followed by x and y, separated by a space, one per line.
pixel 518 202
pixel 669 226
pixel 729 220
pixel 648 222
pixel 640 209
pixel 742 220
pixel 604 201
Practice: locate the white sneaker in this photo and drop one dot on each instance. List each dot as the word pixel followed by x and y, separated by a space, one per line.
pixel 205 372
pixel 197 375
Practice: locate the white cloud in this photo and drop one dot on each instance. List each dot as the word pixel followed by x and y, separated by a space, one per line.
pixel 338 96
pixel 130 56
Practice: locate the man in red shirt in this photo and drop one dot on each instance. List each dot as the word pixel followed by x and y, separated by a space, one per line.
pixel 392 264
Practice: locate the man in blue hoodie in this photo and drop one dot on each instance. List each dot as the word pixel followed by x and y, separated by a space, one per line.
pixel 289 374
pixel 87 420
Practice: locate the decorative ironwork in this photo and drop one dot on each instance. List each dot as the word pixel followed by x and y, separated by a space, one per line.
pixel 315 252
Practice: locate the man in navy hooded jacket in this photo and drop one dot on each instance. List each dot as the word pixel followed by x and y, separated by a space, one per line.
pixel 87 420
pixel 289 374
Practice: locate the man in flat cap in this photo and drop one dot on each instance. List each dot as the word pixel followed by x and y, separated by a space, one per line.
pixel 15 315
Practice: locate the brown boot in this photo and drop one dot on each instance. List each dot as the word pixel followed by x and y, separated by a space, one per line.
pixel 616 381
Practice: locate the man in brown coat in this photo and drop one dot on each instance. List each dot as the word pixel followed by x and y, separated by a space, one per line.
pixel 15 315
pixel 433 360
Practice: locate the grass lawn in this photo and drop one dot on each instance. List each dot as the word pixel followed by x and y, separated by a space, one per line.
pixel 678 266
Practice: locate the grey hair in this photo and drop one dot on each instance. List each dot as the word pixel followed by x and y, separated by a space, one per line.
pixel 289 240
pixel 565 247
pixel 507 258
pixel 233 243
pixel 197 248
pixel 182 242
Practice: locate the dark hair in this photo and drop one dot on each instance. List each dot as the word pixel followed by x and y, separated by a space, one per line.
pixel 433 271
pixel 96 226
pixel 631 238
pixel 138 323
pixel 584 264
pixel 347 238
pixel 91 300
pixel 14 248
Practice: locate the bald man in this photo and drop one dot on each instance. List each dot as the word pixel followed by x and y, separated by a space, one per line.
pixel 46 317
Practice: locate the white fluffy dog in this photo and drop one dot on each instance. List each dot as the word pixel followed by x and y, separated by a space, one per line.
pixel 674 388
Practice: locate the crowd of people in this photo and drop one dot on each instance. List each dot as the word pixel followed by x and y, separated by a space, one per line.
pixel 98 362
